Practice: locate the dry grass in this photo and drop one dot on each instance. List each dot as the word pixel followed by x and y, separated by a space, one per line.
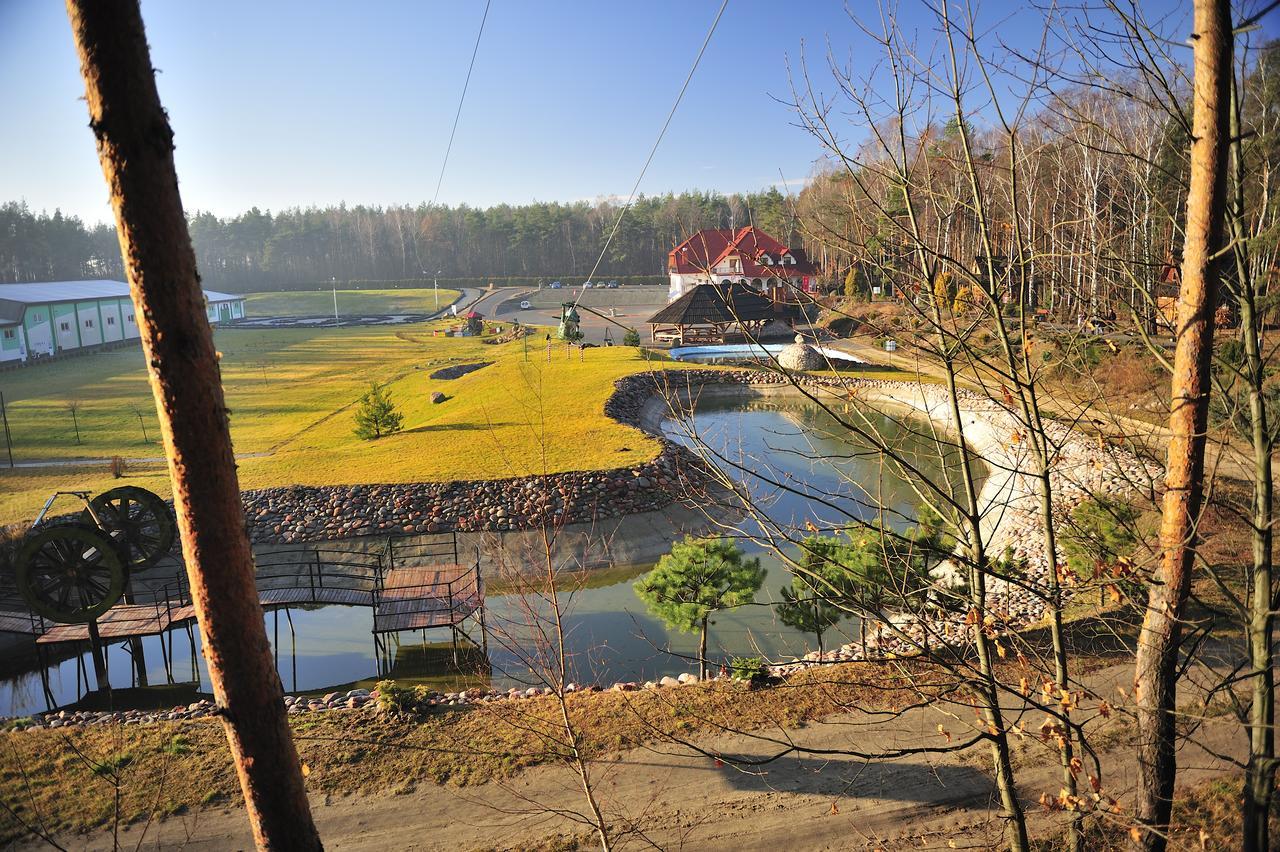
pixel 1205 817
pixel 67 779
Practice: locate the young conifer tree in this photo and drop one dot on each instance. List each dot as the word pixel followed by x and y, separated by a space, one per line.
pixel 376 414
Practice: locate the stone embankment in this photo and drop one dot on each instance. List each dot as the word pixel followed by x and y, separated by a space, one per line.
pixel 305 513
pixel 1010 502
pixel 355 699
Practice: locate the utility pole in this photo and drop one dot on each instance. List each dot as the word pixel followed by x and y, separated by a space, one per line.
pixel 135 148
pixel 8 440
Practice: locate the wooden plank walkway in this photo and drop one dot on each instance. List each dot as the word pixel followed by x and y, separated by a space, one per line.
pixel 418 598
pixel 411 598
pixel 122 621
pixel 21 622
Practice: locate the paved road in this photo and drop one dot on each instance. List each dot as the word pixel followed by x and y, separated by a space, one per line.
pixel 593 327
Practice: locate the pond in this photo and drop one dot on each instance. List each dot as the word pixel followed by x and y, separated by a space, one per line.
pixel 803 467
pixel 754 352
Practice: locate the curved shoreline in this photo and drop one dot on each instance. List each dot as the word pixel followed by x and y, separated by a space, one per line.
pixel 1009 498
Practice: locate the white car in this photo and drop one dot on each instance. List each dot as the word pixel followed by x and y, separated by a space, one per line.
pixel 525 305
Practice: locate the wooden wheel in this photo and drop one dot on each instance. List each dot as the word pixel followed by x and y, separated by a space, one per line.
pixel 70 573
pixel 138 521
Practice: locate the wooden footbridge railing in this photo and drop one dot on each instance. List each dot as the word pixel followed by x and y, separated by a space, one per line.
pixel 414 583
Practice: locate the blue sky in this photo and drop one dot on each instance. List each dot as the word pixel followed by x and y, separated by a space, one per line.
pixel 278 104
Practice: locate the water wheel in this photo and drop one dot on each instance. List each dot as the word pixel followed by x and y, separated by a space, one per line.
pixel 70 573
pixel 138 521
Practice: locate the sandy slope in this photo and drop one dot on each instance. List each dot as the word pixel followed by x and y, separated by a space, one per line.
pixel 681 800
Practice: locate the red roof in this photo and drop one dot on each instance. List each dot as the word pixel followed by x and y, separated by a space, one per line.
pixel 709 247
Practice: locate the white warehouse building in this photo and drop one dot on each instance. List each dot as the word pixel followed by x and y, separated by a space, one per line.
pixel 42 319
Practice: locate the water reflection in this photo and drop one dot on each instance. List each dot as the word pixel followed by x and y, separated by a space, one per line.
pixel 797 460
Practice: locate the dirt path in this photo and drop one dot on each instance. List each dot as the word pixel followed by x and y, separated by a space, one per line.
pixel 683 800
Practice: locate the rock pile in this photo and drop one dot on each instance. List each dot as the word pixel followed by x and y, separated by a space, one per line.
pixel 459 370
pixel 314 513
pixel 355 699
pixel 800 356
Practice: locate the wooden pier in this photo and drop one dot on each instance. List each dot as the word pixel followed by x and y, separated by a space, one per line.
pixel 416 583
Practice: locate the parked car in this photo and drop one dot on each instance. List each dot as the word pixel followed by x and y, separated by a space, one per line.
pixel 556 285
pixel 525 305
pixel 612 285
pixel 586 285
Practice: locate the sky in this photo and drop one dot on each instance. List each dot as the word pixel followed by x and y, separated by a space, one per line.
pixel 282 104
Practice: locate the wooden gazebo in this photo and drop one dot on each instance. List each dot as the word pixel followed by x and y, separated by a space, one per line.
pixel 709 312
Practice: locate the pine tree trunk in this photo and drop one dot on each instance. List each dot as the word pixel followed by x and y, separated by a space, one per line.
pixel 702 651
pixel 1154 678
pixel 135 146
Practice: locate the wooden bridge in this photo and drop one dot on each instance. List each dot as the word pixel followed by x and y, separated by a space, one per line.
pixel 415 583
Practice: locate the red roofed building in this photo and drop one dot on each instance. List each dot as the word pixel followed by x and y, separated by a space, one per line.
pixel 746 255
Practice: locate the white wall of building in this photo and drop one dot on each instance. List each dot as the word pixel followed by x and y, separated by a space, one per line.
pixel 90 322
pixel 112 326
pixel 65 327
pixel 13 343
pixel 38 328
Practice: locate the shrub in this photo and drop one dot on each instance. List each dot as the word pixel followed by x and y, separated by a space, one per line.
pixel 631 338
pixel 1101 535
pixel 747 668
pixel 393 698
pixel 376 414
pixel 117 466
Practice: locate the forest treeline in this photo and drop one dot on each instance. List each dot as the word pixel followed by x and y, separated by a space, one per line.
pixel 1084 197
pixel 261 250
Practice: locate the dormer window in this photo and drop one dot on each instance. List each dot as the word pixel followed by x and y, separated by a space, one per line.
pixel 788 259
pixel 765 259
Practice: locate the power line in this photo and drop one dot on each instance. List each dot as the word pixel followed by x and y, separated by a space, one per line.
pixel 654 149
pixel 466 84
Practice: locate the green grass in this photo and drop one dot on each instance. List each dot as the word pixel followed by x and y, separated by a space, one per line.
pixel 291 393
pixel 320 302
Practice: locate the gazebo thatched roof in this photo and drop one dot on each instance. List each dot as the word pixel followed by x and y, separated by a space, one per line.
pixel 716 304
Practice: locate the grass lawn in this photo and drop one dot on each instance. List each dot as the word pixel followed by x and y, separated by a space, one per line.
pixel 292 392
pixel 320 302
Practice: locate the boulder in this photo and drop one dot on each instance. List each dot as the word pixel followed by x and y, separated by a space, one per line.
pixel 800 356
